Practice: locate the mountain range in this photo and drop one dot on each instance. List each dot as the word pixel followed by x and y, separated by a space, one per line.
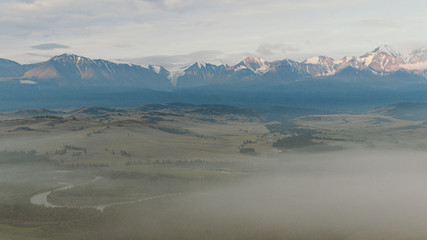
pixel 69 70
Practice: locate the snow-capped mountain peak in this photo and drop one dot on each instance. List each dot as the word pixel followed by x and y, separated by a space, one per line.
pixel 386 49
pixel 254 60
pixel 319 66
pixel 201 65
pixel 175 73
pixel 417 61
pixel 156 69
pixel 256 65
pixel 312 60
pixel 71 58
pixel 382 59
pixel 71 69
pixel 323 60
pixel 418 56
pixel 343 60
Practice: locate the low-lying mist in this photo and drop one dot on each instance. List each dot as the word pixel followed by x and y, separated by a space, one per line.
pixel 354 194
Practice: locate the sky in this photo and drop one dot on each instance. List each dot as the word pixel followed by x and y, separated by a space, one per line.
pixel 171 32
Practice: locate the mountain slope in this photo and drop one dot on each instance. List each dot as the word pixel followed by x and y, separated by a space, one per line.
pixel 383 66
pixel 200 74
pixel 382 59
pixel 75 71
pixel 10 68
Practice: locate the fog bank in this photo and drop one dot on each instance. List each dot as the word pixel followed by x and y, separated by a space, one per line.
pixel 357 194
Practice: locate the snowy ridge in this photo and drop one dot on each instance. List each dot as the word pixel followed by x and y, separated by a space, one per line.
pixel 255 65
pixel 320 66
pixel 417 56
pixel 382 60
pixel 313 60
pixel 201 64
pixel 156 69
pixel 176 73
pixel 74 70
pixel 387 49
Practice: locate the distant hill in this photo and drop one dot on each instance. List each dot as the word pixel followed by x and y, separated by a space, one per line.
pixel 405 111
pixel 93 110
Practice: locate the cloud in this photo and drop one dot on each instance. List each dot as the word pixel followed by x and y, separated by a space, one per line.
pixel 415 66
pixel 174 5
pixel 122 45
pixel 270 50
pixel 38 55
pixel 49 46
pixel 177 60
pixel 162 29
pixel 378 23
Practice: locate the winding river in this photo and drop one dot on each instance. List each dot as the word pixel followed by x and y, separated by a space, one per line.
pixel 41 198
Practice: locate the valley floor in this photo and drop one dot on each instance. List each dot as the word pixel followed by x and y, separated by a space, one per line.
pixel 180 171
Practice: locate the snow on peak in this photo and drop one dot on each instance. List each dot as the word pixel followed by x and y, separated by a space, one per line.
pixel 254 60
pixel 319 66
pixel 382 59
pixel 256 65
pixel 66 57
pixel 319 60
pixel 344 60
pixel 418 56
pixel 366 59
pixel 201 65
pixel 312 60
pixel 386 49
pixel 156 69
pixel 175 73
pixel 416 60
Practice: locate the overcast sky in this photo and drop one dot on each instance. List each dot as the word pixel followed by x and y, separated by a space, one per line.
pixel 169 31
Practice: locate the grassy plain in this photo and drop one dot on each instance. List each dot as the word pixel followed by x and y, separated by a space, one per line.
pixel 158 168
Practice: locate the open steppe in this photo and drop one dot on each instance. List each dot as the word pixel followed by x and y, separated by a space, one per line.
pixel 181 171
